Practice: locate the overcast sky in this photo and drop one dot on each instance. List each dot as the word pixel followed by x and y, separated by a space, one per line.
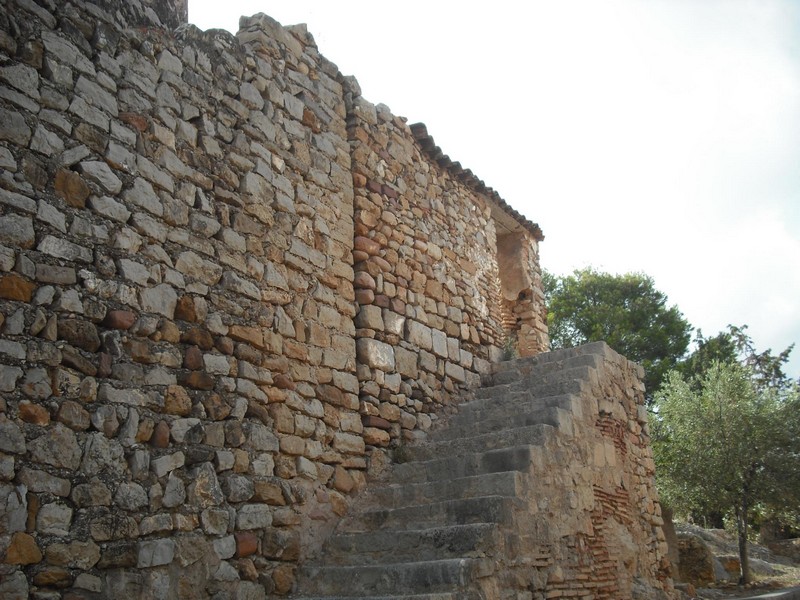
pixel 660 136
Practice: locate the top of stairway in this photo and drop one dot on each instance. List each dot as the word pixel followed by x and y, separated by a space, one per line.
pixel 591 354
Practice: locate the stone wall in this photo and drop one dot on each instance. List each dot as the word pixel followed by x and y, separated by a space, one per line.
pixel 193 374
pixel 593 527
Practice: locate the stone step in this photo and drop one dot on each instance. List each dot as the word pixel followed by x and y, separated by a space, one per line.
pixel 536 366
pixel 507 408
pixel 532 435
pixel 397 495
pixel 472 540
pixel 522 414
pixel 516 458
pixel 574 383
pixel 481 509
pixel 448 575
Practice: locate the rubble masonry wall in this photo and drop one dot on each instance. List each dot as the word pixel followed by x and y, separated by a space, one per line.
pixel 225 281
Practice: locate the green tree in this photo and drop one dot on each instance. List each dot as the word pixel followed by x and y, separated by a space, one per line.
pixel 626 311
pixel 734 345
pixel 728 445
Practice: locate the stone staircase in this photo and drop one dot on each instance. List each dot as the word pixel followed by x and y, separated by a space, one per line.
pixel 452 520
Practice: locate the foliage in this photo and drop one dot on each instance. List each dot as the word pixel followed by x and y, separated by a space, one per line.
pixel 626 311
pixel 734 345
pixel 725 443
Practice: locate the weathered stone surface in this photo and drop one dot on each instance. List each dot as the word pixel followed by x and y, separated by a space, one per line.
pixel 100 173
pixel 375 354
pixel 70 186
pixel 80 333
pixel 17 230
pixel 23 550
pixel 15 287
pixel 54 519
pixel 253 516
pixel 153 553
pixel 160 299
pixel 11 438
pixel 205 491
pixel 57 447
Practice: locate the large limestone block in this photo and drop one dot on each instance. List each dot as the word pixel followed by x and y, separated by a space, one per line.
pixel 375 354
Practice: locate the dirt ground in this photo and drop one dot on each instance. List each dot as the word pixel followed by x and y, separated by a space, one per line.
pixel 770 571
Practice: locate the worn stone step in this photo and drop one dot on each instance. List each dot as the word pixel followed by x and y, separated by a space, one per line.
pixel 481 509
pixel 533 435
pixel 491 419
pixel 397 495
pixel 448 575
pixel 576 381
pixel 541 365
pixel 476 411
pixel 472 540
pixel 499 404
pixel 516 458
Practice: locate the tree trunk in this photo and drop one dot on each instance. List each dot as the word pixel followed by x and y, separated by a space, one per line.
pixel 741 528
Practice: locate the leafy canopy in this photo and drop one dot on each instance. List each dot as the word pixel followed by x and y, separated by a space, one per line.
pixel 725 443
pixel 626 311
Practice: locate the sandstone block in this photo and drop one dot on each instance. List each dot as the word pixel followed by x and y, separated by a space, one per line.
pixel 375 354
pixel 23 550
pixel 370 317
pixel 406 362
pixel 420 335
pixel 14 287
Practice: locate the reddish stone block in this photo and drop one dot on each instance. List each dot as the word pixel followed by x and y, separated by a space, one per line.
pixel 34 413
pixel 135 120
pixel 199 337
pixel 198 380
pixel 14 287
pixel 72 188
pixel 375 421
pixel 246 543
pixel 185 310
pixel 283 382
pixel 193 359
pixel 119 319
pixel 23 550
pixel 160 437
pixel 359 180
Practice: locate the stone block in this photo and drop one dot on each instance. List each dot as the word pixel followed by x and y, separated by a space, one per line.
pixel 253 516
pixel 153 553
pixel 17 231
pixel 370 317
pixel 419 335
pixel 375 354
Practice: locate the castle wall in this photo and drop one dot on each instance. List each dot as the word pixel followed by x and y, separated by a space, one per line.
pixel 426 278
pixel 192 373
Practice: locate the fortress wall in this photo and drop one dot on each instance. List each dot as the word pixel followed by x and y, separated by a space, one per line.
pixel 426 278
pixel 191 381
